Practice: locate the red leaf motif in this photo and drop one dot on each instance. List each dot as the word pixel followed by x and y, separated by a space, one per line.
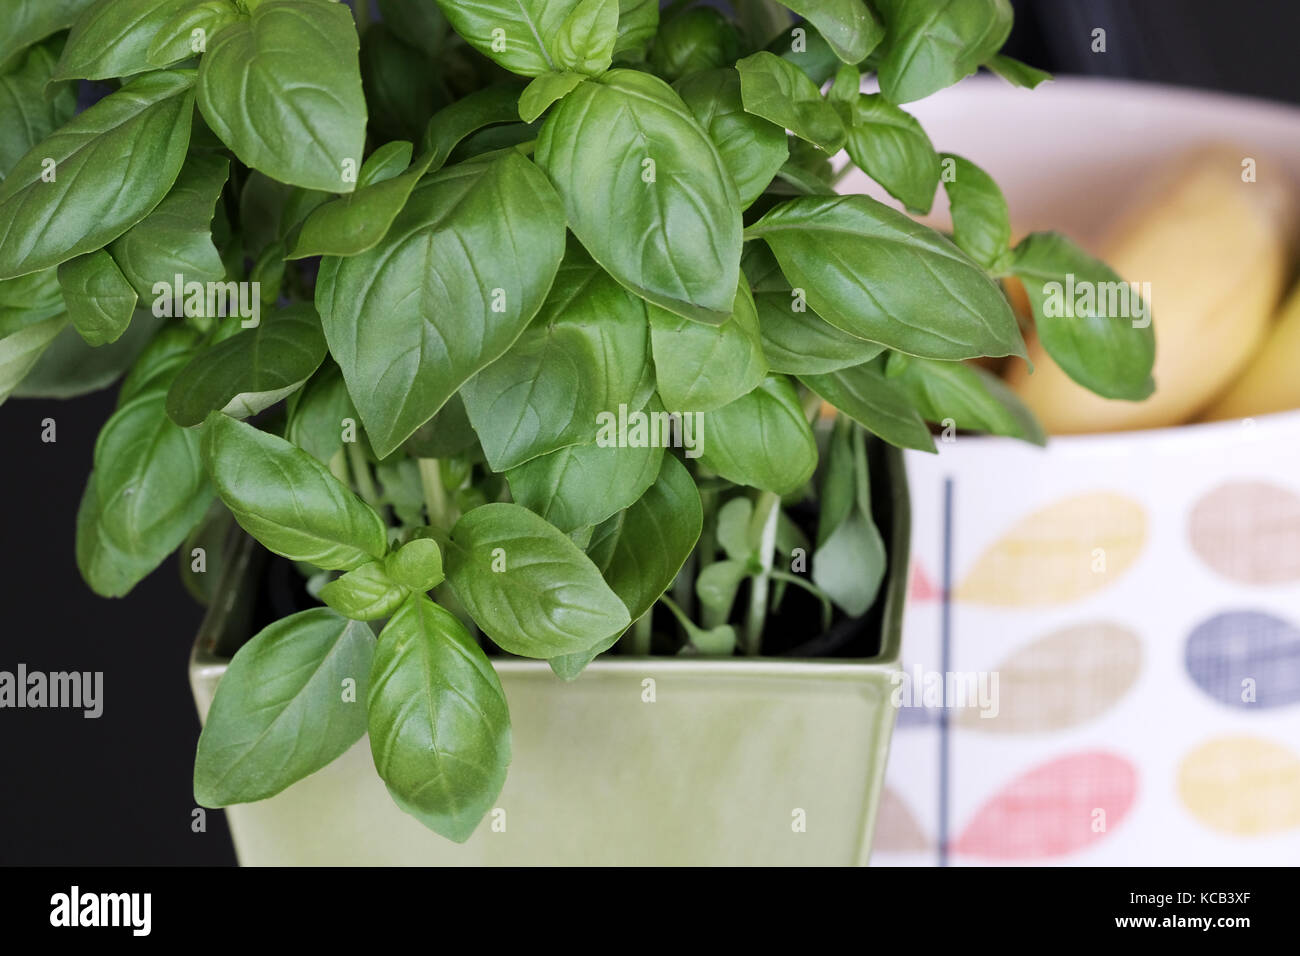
pixel 1057 808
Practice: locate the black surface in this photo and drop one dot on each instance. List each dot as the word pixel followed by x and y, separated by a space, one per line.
pixel 1243 46
pixel 117 789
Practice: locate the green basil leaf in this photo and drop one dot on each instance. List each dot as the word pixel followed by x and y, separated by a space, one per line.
pixel 702 367
pixel 455 281
pixel 319 415
pixel 838 491
pixel 844 91
pixel 290 702
pixel 735 530
pixel 965 396
pixel 176 238
pixel 416 565
pixel 640 550
pixel 849 26
pixel 29 21
pixel 351 224
pixel 762 439
pixel 1087 317
pixel 19 351
pixel 444 435
pixel 981 223
pixel 146 492
pixel 874 402
pixel 1017 73
pixel 873 272
pixel 585 40
pixel 165 354
pixel 112 38
pixel 813 162
pixel 717 641
pixel 439 726
pixel 717 585
pixel 403 491
pixel 252 370
pixel 777 90
pixel 761 20
pixel 385 163
pixel 532 37
pixel 584 355
pixel 491 106
pixel 890 146
pixel 797 341
pixel 805 47
pixel 627 142
pixel 418 22
pixel 851 564
pixel 186 34
pixel 638 22
pixel 267 277
pixel 282 89
pixel 934 43
pixel 544 90
pixel 113 164
pixel 582 485
pixel 366 593
pixel 287 500
pixel 100 301
pixel 27 114
pixel 201 579
pixel 761 269
pixel 569 667
pixel 853 556
pixel 515 135
pixel 751 148
pixel 805 182
pixel 527 585
pixel 70 367
pixel 645 545
pixel 269 211
pixel 692 41
pixel 402 91
pixel 29 299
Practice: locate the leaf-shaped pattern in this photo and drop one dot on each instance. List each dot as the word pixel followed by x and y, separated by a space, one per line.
pixel 1246 659
pixel 1057 808
pixel 897 830
pixel 1248 531
pixel 1063 552
pixel 1242 785
pixel 1061 680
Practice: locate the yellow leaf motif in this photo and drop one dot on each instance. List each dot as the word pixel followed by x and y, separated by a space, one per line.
pixel 1242 785
pixel 1063 552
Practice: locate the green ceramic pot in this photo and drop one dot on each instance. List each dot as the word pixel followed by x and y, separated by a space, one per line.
pixel 642 761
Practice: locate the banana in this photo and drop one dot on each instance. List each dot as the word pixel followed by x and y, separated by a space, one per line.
pixel 1216 252
pixel 1271 382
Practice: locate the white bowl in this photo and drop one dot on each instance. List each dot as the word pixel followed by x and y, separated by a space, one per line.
pixel 1120 587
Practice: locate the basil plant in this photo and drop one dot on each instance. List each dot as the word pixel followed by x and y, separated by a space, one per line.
pixel 510 323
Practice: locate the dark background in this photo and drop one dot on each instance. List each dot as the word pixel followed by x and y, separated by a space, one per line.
pixel 117 790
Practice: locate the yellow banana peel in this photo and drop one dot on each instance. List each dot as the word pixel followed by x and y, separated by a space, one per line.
pixel 1215 251
pixel 1271 382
